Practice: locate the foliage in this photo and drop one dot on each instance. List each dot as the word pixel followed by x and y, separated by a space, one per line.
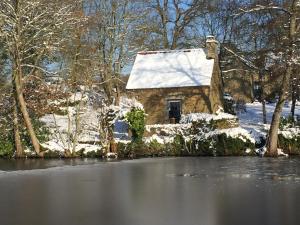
pixel 217 145
pixel 52 154
pixel 136 121
pixel 6 125
pixel 176 147
pixel 39 98
pixel 6 147
pixel 94 154
pixel 290 146
pixel 286 122
pixel 229 106
pixel 133 150
pixel 42 132
pixel 229 146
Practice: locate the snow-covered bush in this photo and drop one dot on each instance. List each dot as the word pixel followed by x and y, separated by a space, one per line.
pixel 228 104
pixel 225 145
pixel 151 149
pixel 289 140
pixel 286 122
pixel 289 146
pixel 219 121
pixel 205 139
pixel 289 136
pixel 202 135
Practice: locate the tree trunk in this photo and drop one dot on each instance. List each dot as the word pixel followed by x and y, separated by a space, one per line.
pixel 118 95
pixel 273 132
pixel 24 111
pixel 293 107
pixel 17 81
pixel 264 111
pixel 17 138
pixel 262 97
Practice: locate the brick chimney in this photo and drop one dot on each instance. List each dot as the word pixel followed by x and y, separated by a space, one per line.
pixel 212 47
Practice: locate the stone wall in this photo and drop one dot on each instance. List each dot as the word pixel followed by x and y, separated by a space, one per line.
pixel 155 101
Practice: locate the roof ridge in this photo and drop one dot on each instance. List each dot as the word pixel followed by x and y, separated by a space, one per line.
pixel 168 51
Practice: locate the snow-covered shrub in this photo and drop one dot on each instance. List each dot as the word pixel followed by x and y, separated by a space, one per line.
pixel 207 140
pixel 136 121
pixel 286 122
pixel 289 140
pixel 228 104
pixel 289 136
pixel 201 134
pixel 232 146
pixel 219 121
pixel 151 149
pixel 289 146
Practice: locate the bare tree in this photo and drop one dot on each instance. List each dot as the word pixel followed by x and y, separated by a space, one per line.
pixel 291 11
pixel 169 24
pixel 32 31
pixel 111 24
pixel 292 58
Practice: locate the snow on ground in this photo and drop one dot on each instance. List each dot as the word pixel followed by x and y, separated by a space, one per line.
pixel 251 125
pixel 252 119
pixel 63 127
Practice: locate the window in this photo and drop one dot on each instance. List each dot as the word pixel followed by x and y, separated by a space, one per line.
pixel 174 107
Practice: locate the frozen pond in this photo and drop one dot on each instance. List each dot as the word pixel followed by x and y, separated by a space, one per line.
pixel 168 191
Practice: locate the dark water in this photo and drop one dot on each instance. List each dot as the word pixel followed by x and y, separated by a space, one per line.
pixel 172 191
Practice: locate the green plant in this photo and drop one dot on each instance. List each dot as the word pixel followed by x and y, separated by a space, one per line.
pixel 286 122
pixel 6 148
pixel 53 154
pixel 133 150
pixel 289 145
pixel 229 106
pixel 42 132
pixel 6 142
pixel 229 146
pixel 136 121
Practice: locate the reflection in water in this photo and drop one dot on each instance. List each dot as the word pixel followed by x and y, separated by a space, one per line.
pixel 171 191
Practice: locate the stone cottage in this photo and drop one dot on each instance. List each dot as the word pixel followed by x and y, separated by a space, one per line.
pixel 175 82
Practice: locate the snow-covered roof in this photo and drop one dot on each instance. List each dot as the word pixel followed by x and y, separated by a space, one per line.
pixel 165 69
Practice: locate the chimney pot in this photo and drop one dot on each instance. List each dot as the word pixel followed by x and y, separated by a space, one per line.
pixel 212 47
